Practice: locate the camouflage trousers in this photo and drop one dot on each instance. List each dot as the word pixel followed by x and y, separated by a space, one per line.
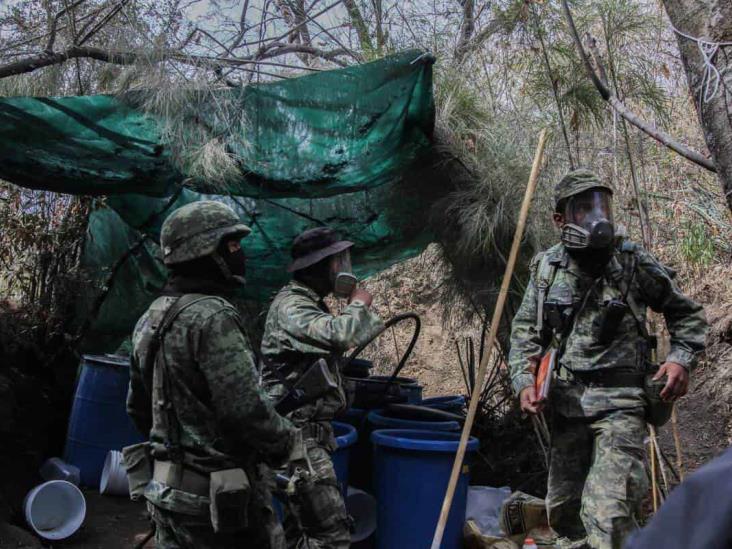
pixel 316 517
pixel 179 531
pixel 597 477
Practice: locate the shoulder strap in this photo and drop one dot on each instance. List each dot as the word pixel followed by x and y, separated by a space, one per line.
pixel 544 278
pixel 172 442
pixel 624 280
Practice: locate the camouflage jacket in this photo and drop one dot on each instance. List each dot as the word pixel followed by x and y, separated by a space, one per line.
pixel 649 283
pixel 299 330
pixel 225 419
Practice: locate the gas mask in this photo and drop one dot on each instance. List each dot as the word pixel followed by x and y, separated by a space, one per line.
pixel 341 275
pixel 589 221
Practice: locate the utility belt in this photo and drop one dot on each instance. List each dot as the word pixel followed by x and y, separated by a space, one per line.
pixel 615 377
pixel 181 478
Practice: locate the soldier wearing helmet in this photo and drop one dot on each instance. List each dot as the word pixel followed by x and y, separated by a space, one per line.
pixel 194 389
pixel 298 331
pixel 587 301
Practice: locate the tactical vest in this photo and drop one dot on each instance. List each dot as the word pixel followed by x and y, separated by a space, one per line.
pixel 620 272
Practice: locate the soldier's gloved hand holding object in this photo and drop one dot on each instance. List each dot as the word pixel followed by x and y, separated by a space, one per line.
pixel 677 381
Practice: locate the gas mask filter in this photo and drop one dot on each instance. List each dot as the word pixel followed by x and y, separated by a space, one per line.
pixel 344 281
pixel 589 223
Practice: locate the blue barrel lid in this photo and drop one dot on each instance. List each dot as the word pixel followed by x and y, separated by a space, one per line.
pixel 108 360
pixel 346 435
pixel 381 419
pixel 445 399
pixel 413 439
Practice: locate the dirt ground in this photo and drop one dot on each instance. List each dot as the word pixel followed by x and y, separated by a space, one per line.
pixel 111 523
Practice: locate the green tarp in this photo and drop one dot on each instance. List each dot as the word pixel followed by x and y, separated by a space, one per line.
pixel 317 135
pixel 349 148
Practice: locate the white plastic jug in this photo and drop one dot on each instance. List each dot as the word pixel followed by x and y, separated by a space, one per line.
pixel 55 509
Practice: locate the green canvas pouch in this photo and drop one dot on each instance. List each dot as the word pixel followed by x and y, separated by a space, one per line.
pixel 138 462
pixel 230 492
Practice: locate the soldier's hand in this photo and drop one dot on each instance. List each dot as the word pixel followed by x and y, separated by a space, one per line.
pixel 677 381
pixel 361 295
pixel 530 403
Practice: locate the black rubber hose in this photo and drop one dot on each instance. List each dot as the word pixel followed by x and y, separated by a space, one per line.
pixel 388 324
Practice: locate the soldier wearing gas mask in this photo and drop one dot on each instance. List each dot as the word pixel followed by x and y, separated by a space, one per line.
pixel 299 331
pixel 587 299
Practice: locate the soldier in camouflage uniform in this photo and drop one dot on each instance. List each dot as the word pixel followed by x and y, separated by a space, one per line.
pixel 597 476
pixel 300 330
pixel 196 392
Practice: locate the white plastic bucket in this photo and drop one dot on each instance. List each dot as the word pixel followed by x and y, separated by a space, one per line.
pixel 362 507
pixel 113 481
pixel 55 509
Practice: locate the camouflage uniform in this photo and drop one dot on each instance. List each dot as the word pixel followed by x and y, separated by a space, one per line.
pixel 299 330
pixel 597 476
pixel 223 420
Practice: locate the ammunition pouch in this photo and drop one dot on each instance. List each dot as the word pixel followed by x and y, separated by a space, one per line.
pixel 229 494
pixel 138 462
pixel 606 324
pixel 658 411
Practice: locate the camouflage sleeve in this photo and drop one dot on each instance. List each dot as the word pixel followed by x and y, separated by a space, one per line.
pixel 685 318
pixel 245 415
pixel 304 321
pixel 527 344
pixel 139 405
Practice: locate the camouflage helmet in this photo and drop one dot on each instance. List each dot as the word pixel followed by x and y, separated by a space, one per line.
pixel 196 229
pixel 576 182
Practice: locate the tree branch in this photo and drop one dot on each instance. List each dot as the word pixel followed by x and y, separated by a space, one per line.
pixel 54 25
pixel 358 23
pixel 30 64
pixel 467 27
pixel 604 90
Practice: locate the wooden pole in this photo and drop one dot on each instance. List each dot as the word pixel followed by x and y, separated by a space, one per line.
pixel 653 475
pixel 677 443
pixel 497 313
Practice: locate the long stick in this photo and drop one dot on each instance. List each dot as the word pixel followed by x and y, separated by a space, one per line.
pixel 653 476
pixel 677 443
pixel 497 313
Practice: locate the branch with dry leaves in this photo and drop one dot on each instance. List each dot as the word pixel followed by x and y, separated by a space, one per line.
pixel 269 48
pixel 600 83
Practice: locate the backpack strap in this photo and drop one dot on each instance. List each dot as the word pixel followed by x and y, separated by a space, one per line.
pixel 623 276
pixel 173 435
pixel 545 274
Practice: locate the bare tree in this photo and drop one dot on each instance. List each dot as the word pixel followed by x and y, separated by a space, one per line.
pixel 708 65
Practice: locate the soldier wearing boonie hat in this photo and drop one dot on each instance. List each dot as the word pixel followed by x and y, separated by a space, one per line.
pixel 298 331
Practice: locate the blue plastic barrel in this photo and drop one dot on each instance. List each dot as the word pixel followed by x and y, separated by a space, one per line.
pixel 346 436
pixel 454 403
pixel 99 421
pixel 381 419
pixel 408 387
pixel 411 472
